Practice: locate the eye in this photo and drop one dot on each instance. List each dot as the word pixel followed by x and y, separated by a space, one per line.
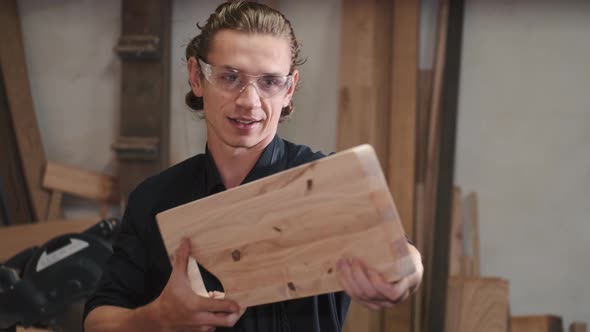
pixel 229 76
pixel 271 81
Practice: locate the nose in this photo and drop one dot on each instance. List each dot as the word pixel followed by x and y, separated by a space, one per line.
pixel 248 97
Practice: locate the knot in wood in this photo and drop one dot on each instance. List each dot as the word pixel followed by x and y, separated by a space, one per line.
pixel 236 255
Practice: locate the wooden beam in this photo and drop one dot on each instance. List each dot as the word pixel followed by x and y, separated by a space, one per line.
pixel 82 183
pixel 14 239
pixel 477 304
pixel 14 199
pixel 28 138
pixel 456 236
pixel 432 156
pixel 144 48
pixel 440 257
pixel 402 132
pixel 539 323
pixel 364 102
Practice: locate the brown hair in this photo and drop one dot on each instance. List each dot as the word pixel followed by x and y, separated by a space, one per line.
pixel 244 16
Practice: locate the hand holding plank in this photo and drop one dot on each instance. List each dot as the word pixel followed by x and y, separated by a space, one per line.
pixel 178 308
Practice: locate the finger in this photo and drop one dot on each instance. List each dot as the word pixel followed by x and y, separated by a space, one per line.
pixel 401 289
pixel 392 292
pixel 216 318
pixel 181 257
pixel 216 305
pixel 345 277
pixel 368 291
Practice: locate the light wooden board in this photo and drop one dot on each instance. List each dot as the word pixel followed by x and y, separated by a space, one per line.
pixel 280 237
pixel 477 304
pixel 578 327
pixel 14 239
pixel 402 132
pixel 80 182
pixel 28 138
pixel 536 323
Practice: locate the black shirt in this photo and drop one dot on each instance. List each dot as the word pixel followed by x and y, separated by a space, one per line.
pixel 139 268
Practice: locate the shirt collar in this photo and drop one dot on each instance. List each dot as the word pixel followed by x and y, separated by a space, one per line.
pixel 267 164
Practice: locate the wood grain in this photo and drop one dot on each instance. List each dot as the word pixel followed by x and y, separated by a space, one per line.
pixel 79 182
pixel 282 235
pixel 536 323
pixel 401 173
pixel 28 138
pixel 14 239
pixel 477 304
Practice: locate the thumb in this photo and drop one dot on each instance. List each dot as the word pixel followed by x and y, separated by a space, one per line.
pixel 181 256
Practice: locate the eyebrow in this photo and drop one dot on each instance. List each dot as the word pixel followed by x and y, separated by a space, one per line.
pixel 263 74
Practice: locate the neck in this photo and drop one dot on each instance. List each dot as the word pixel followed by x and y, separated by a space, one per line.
pixel 234 163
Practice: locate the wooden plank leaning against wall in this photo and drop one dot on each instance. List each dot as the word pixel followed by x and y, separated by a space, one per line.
pixel 144 47
pixel 364 101
pixel 401 169
pixel 20 104
pixel 378 106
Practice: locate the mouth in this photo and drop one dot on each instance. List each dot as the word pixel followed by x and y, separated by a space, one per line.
pixel 244 123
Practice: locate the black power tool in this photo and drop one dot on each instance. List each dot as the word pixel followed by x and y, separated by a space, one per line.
pixel 40 285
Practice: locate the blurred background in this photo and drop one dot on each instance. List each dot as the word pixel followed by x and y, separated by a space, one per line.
pixel 479 109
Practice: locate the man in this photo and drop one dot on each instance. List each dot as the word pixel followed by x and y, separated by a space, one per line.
pixel 242 73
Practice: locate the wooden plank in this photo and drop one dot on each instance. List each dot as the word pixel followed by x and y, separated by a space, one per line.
pixel 145 95
pixel 82 183
pixel 471 201
pixel 365 76
pixel 456 236
pixel 477 304
pixel 274 228
pixel 15 203
pixel 578 327
pixel 14 239
pixel 449 100
pixel 28 138
pixel 402 132
pixel 538 323
pixel 432 161
pixel 54 211
pixel 364 102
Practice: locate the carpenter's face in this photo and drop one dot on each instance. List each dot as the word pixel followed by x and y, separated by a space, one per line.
pixel 242 93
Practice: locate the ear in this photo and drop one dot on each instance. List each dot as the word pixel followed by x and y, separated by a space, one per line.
pixel 194 76
pixel 291 90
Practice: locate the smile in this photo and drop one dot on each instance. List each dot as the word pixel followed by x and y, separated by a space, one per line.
pixel 244 123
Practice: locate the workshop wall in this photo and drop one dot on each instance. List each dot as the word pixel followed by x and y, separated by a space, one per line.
pixel 523 135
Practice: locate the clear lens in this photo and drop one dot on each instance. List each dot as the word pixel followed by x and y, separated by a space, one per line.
pixel 234 81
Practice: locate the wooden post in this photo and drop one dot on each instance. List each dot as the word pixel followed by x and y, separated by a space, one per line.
pixel 14 199
pixel 20 102
pixel 364 106
pixel 401 171
pixel 142 147
pixel 450 93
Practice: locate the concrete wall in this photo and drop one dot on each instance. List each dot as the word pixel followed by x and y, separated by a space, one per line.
pixel 523 145
pixel 524 119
